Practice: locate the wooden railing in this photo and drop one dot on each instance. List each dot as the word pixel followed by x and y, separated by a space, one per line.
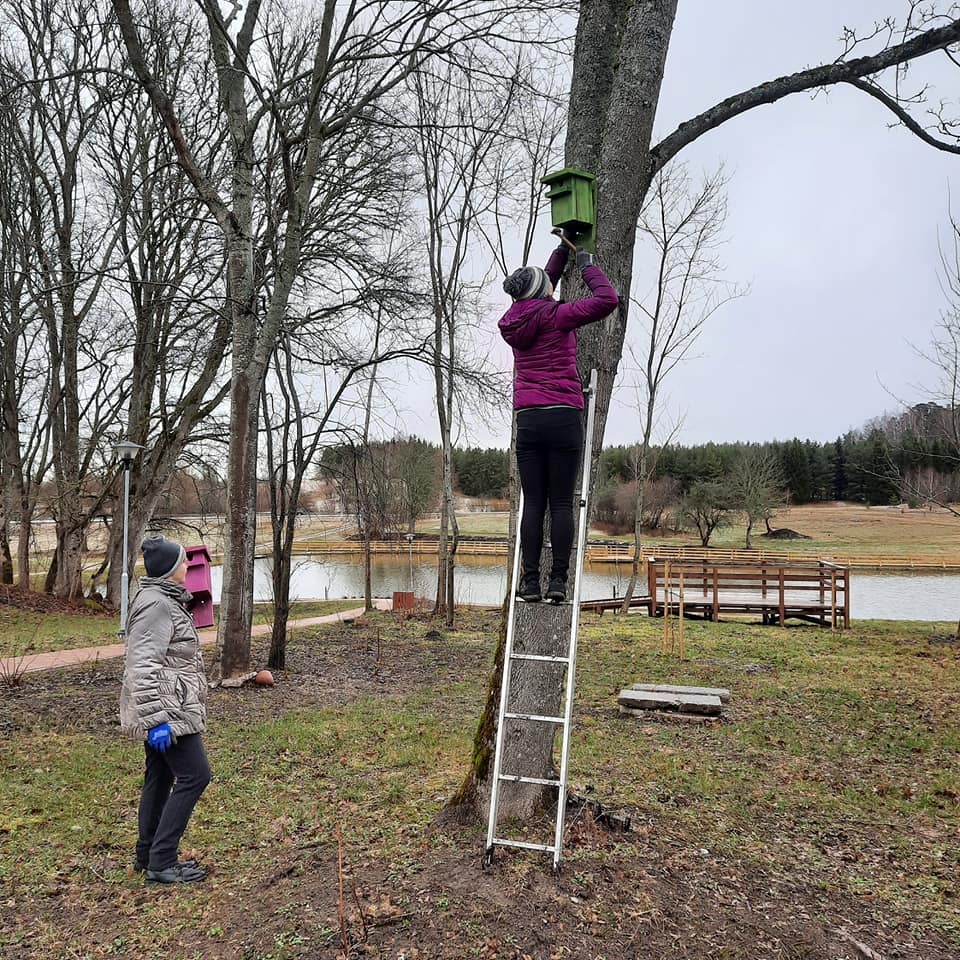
pixel 814 591
pixel 720 555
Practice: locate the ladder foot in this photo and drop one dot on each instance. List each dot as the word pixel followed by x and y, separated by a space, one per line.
pixel 488 858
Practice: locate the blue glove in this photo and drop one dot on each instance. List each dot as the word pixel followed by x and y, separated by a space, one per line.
pixel 584 259
pixel 160 738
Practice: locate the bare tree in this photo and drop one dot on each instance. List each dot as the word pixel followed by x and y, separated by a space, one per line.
pixel 301 87
pixel 708 506
pixel 756 487
pixel 459 129
pixel 682 224
pixel 297 419
pixel 167 282
pixel 24 366
pixel 72 244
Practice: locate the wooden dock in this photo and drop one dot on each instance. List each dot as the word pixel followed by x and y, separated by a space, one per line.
pixel 816 591
pixel 613 603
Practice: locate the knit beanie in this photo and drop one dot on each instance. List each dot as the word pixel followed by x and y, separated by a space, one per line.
pixel 527 283
pixel 161 556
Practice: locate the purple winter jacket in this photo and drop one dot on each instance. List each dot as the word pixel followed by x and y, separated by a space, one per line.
pixel 543 335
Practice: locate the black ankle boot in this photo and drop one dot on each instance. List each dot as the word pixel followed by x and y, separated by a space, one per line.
pixel 557 589
pixel 529 590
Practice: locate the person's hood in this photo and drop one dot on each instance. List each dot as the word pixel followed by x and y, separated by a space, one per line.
pixel 520 325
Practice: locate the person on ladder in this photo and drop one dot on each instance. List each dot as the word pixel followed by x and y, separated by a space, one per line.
pixel 548 399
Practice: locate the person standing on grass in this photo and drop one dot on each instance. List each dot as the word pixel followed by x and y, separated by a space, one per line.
pixel 548 398
pixel 163 703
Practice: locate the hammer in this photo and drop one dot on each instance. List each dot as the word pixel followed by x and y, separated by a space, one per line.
pixel 558 231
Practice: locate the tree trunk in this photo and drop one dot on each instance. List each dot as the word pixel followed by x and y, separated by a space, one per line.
pixel 6 560
pixel 367 572
pixel 282 565
pixel 236 607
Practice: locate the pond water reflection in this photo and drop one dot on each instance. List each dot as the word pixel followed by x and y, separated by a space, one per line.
pixel 873 596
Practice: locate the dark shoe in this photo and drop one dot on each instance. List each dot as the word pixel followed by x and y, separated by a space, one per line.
pixel 139 867
pixel 557 590
pixel 178 873
pixel 529 590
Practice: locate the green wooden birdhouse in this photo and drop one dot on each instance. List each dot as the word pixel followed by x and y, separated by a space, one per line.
pixel 573 204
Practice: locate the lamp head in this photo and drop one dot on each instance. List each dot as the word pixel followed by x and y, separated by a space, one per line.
pixel 126 451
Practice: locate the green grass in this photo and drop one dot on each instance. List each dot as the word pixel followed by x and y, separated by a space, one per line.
pixel 27 632
pixel 851 731
pixel 302 610
pixel 838 764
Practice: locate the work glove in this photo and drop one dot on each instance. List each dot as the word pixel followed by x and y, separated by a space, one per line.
pixel 160 738
pixel 584 259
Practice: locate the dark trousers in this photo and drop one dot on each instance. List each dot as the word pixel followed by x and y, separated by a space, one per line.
pixel 549 447
pixel 172 784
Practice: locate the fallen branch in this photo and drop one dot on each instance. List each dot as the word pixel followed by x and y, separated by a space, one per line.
pixel 866 952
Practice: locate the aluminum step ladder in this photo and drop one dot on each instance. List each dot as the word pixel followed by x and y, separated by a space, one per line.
pixel 567 661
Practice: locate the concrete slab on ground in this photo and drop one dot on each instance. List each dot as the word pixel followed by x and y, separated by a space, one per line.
pixel 682 702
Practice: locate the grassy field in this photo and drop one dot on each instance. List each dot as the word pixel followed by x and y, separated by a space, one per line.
pixel 822 811
pixel 854 530
pixel 840 529
pixel 25 632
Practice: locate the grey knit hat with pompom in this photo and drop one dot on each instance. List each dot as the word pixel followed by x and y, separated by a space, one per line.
pixel 527 283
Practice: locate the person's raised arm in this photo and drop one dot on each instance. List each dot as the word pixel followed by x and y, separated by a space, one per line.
pixel 602 303
pixel 557 264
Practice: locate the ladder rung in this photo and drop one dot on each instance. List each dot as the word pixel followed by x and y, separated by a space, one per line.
pixel 500 841
pixel 538 656
pixel 516 778
pixel 532 716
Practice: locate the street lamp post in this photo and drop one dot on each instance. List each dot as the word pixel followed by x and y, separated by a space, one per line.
pixel 126 452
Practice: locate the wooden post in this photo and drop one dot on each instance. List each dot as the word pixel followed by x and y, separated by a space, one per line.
pixel 666 603
pixel 681 614
pixel 716 596
pixel 846 598
pixel 833 600
pixel 652 584
pixel 783 622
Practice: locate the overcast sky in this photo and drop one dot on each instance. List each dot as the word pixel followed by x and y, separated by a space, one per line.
pixel 833 223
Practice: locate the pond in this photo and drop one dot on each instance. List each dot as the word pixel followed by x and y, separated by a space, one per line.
pixel 482 580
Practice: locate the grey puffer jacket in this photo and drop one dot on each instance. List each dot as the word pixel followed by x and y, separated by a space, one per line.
pixel 163 676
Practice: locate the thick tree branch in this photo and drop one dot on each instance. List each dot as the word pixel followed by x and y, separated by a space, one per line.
pixel 822 76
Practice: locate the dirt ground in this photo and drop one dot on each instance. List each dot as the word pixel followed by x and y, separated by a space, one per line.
pixel 647 893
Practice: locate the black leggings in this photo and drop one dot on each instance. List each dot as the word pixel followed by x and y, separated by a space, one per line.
pixel 549 447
